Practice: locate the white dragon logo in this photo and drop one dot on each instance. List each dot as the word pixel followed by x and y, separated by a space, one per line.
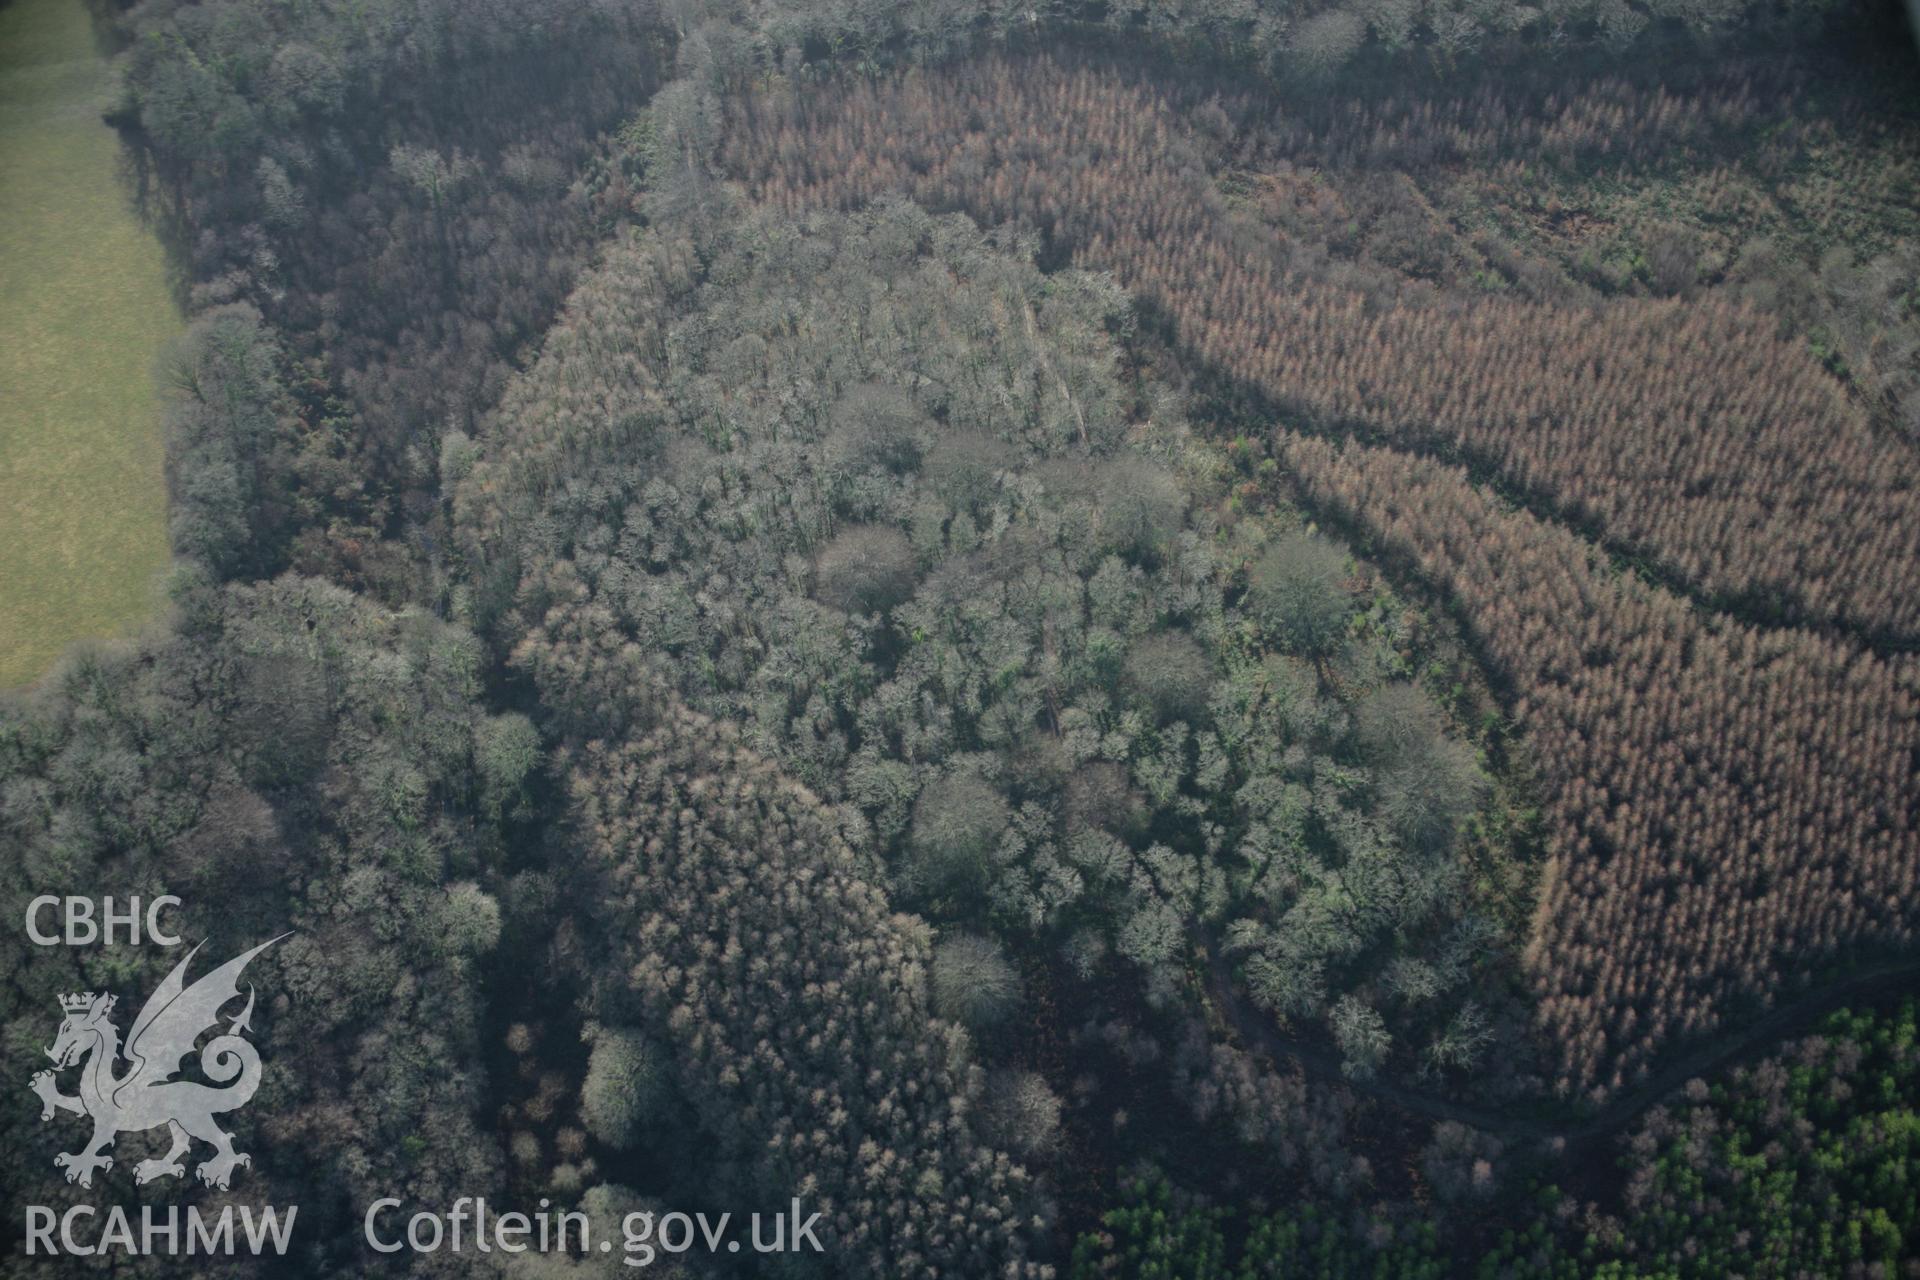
pixel 147 1096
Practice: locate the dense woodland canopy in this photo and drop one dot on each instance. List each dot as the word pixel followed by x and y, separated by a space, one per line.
pixel 1106 640
pixel 1788 753
pixel 286 757
pixel 1609 412
pixel 1790 1167
pixel 969 589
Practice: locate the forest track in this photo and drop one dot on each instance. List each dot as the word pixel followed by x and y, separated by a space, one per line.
pixel 1243 401
pixel 1706 1058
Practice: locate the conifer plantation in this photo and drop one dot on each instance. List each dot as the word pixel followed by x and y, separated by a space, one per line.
pixel 1076 641
pixel 1786 752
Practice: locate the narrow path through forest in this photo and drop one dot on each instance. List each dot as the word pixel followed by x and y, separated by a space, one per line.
pixel 1708 1057
pixel 1245 400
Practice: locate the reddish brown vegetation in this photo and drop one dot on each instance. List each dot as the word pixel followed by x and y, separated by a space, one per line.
pixel 1728 802
pixel 1692 434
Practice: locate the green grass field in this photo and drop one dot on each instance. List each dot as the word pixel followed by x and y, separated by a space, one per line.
pixel 84 309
